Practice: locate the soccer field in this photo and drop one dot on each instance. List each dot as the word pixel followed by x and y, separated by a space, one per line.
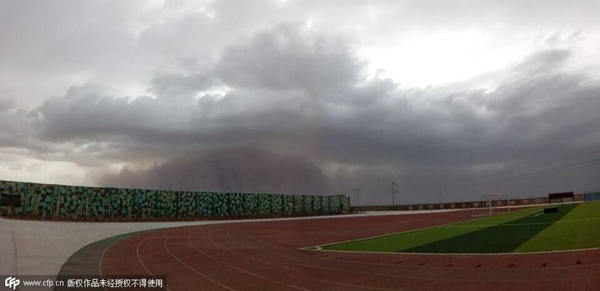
pixel 574 226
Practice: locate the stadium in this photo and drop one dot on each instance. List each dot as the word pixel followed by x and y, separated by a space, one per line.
pixel 299 145
pixel 496 243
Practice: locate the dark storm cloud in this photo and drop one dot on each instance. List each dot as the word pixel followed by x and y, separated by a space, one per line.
pixel 85 113
pixel 318 65
pixel 16 131
pixel 300 92
pixel 286 58
pixel 248 169
pixel 222 82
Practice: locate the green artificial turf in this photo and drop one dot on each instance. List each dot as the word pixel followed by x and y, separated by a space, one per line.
pixel 576 230
pixel 572 227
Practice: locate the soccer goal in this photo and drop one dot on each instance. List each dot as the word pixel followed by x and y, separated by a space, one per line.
pixel 491 204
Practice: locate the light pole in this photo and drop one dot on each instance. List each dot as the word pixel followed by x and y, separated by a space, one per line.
pixel 356 192
pixel 393 192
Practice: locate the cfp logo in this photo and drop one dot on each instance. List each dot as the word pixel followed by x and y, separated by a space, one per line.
pixel 11 282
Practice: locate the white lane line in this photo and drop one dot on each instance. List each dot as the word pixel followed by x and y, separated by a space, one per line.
pixel 102 259
pixel 433 267
pixel 137 253
pixel 237 268
pixel 292 269
pixel 192 268
pixel 428 278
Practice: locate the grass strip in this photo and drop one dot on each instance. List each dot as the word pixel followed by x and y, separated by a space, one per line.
pixel 411 240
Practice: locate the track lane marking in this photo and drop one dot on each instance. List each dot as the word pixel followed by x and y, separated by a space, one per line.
pixel 308 278
pixel 104 253
pixel 137 253
pixel 192 268
pixel 237 268
pixel 328 268
pixel 462 269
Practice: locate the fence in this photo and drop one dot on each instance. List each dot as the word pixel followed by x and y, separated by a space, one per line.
pixel 461 205
pixel 594 196
pixel 46 201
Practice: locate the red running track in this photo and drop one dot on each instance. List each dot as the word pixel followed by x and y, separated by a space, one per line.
pixel 267 256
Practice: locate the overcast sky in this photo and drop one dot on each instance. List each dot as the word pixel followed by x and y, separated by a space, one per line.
pixel 449 99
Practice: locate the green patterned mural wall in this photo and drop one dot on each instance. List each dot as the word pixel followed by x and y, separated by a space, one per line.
pixel 47 201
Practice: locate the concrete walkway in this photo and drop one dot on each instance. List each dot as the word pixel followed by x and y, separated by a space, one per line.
pixel 42 247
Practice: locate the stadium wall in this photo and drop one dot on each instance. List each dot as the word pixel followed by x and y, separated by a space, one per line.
pixel 459 205
pixel 47 201
pixel 593 196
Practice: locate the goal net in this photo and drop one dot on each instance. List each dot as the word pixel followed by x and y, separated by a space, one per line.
pixel 491 204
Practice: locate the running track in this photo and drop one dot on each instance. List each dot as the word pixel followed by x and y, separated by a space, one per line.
pixel 267 256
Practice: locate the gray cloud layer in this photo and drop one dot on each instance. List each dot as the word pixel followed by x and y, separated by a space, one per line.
pixel 426 138
pixel 284 108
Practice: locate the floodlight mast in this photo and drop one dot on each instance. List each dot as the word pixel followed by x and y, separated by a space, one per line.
pixel 490 205
pixel 356 194
pixel 393 192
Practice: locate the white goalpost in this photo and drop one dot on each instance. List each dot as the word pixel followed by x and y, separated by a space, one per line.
pixel 492 204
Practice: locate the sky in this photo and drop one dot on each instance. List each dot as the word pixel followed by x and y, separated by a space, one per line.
pixel 449 100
